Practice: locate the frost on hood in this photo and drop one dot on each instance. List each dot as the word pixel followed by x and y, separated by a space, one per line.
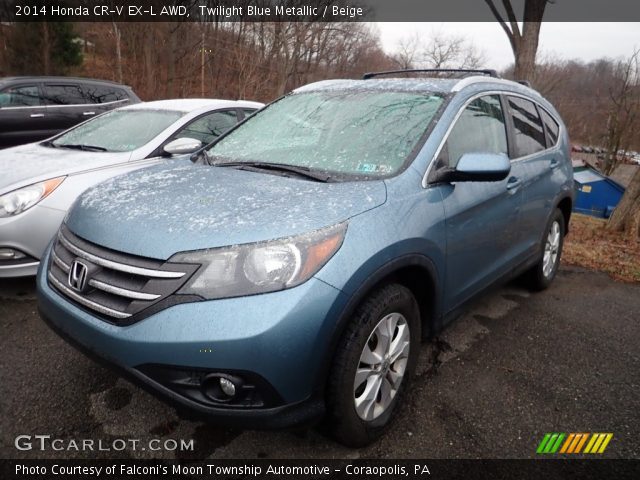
pixel 196 198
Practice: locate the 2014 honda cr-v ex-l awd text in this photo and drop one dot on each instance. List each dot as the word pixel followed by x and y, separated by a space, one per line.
pixel 290 272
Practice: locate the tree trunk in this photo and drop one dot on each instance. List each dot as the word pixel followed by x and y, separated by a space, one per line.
pixel 523 43
pixel 46 49
pixel 118 37
pixel 525 48
pixel 626 216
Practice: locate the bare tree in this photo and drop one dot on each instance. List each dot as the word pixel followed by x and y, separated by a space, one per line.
pixel 624 93
pixel 451 51
pixel 623 116
pixel 118 38
pixel 437 51
pixel 406 55
pixel 524 42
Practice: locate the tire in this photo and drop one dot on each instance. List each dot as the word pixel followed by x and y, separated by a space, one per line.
pixel 542 274
pixel 356 417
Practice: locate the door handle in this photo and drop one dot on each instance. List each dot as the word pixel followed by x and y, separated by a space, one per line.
pixel 88 113
pixel 513 184
pixel 37 115
pixel 554 163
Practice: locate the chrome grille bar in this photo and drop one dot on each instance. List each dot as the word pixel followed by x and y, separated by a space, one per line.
pixel 87 303
pixel 123 292
pixel 58 261
pixel 121 267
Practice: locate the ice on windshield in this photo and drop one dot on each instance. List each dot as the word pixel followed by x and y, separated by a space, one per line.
pixel 120 130
pixel 353 132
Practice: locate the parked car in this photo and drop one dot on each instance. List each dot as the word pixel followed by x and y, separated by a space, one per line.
pixel 35 108
pixel 293 269
pixel 40 181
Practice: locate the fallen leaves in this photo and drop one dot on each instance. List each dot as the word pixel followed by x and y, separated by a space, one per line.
pixel 591 246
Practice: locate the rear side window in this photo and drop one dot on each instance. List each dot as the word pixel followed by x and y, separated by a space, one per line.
pixel 27 96
pixel 529 134
pixel 479 129
pixel 551 126
pixel 103 94
pixel 64 95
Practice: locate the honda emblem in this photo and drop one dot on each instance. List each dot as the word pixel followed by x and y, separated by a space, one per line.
pixel 78 276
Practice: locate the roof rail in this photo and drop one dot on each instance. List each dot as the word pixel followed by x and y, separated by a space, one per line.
pixel 526 83
pixel 488 72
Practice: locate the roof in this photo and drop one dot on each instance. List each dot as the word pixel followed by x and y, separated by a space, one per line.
pixel 35 78
pixel 624 173
pixel 188 105
pixel 421 84
pixel 588 175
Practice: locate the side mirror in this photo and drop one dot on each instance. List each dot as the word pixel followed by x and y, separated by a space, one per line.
pixel 182 146
pixel 477 167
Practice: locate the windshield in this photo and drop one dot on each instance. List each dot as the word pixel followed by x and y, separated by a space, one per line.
pixel 370 133
pixel 119 130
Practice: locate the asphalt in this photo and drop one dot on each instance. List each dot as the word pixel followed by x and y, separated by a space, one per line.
pixel 516 366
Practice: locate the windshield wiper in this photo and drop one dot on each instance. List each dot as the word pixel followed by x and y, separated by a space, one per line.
pixel 278 167
pixel 86 148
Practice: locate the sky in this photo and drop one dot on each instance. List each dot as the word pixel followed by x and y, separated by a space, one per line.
pixel 584 41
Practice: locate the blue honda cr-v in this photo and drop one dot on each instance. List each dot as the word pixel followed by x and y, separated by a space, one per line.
pixel 292 270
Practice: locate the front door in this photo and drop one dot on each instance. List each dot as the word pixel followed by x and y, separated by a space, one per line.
pixel 482 218
pixel 22 115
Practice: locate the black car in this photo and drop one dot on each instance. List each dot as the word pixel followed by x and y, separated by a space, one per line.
pixel 34 108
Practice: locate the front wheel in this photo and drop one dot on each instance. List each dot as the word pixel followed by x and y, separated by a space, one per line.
pixel 543 273
pixel 373 365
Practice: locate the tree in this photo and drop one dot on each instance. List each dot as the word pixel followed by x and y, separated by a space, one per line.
pixel 43 48
pixel 451 51
pixel 437 51
pixel 626 216
pixel 524 42
pixel 624 93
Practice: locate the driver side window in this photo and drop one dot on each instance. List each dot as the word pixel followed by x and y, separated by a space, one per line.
pixel 479 129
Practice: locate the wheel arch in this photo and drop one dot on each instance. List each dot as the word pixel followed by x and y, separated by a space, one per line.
pixel 565 205
pixel 417 272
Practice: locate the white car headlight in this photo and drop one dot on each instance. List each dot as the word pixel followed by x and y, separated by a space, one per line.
pixel 18 201
pixel 260 267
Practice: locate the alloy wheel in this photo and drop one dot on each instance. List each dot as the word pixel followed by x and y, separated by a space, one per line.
pixel 382 366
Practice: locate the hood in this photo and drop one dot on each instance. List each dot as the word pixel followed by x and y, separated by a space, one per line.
pixel 27 164
pixel 159 211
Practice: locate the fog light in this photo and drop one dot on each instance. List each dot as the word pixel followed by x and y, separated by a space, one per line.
pixel 227 387
pixel 11 254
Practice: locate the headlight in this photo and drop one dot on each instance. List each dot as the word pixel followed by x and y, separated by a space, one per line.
pixel 261 267
pixel 18 201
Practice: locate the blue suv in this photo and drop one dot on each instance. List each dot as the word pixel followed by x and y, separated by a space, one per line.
pixel 291 271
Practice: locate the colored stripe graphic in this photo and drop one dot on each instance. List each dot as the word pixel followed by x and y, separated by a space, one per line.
pixel 573 443
pixel 581 442
pixel 543 443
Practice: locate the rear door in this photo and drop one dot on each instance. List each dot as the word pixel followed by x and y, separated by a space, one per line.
pixel 67 104
pixel 533 164
pixel 22 115
pixel 103 97
pixel 481 217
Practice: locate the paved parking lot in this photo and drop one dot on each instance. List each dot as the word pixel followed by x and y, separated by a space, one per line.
pixel 516 366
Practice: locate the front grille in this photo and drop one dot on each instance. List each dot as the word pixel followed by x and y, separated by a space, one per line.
pixel 119 287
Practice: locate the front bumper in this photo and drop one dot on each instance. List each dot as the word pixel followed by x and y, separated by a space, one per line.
pixel 280 337
pixel 29 232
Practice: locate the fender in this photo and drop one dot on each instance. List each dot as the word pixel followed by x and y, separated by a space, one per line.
pixel 344 311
